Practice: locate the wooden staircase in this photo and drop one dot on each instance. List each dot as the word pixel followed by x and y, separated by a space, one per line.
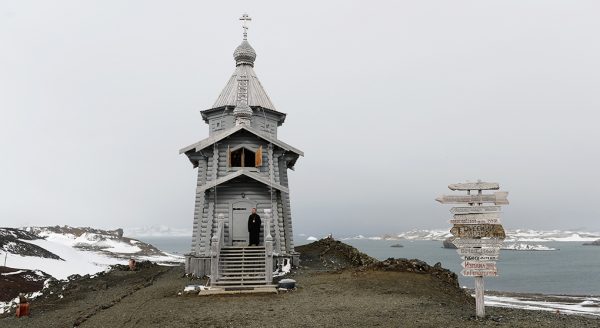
pixel 242 268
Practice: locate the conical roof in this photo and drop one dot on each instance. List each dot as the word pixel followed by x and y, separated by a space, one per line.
pixel 244 56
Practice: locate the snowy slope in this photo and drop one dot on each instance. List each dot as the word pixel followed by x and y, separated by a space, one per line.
pixel 84 251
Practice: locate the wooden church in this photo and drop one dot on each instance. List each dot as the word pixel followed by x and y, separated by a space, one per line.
pixel 241 165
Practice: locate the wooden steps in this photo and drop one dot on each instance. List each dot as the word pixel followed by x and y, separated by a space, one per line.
pixel 242 269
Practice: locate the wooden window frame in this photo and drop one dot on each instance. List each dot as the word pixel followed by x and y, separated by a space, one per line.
pixel 258 161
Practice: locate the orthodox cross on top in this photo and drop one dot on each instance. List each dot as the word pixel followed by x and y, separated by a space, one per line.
pixel 245 18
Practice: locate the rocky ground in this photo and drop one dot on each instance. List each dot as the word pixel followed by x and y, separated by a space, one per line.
pixel 15 281
pixel 337 287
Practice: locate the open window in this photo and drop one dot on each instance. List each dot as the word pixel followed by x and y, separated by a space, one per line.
pixel 244 157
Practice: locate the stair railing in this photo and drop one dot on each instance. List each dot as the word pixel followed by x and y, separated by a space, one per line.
pixel 268 248
pixel 216 243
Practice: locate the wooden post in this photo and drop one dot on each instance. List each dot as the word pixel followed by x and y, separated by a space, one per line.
pixel 268 248
pixel 479 303
pixel 214 260
pixel 215 250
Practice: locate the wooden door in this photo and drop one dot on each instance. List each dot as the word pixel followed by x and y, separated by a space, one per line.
pixel 239 226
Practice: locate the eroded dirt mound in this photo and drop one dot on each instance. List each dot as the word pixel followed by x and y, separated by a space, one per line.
pixel 331 254
pixel 417 266
pixel 15 281
pixel 138 266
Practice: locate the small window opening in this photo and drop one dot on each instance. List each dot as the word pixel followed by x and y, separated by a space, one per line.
pixel 242 158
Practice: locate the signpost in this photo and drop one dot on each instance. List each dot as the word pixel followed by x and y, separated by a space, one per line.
pixel 498 198
pixel 475 186
pixel 479 265
pixel 479 273
pixel 463 242
pixel 474 221
pixel 479 216
pixel 474 209
pixel 477 232
pixel 480 257
pixel 494 251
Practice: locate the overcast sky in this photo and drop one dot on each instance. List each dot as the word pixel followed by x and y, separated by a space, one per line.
pixel 390 101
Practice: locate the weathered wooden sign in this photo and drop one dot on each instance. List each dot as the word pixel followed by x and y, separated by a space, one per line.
pixel 474 221
pixel 492 242
pixel 475 186
pixel 491 215
pixel 479 265
pixel 480 218
pixel 474 209
pixel 495 251
pixel 479 273
pixel 480 258
pixel 478 231
pixel 498 198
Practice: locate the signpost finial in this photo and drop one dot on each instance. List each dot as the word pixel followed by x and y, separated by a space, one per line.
pixel 245 19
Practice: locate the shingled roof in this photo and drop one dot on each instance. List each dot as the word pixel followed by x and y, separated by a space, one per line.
pixel 244 56
pixel 202 144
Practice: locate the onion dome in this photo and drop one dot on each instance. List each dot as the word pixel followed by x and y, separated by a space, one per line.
pixel 244 54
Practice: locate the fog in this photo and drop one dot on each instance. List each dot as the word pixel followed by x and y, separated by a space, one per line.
pixel 390 101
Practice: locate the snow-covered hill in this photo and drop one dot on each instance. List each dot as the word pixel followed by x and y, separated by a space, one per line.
pixel 517 235
pixel 527 247
pixel 158 231
pixel 63 251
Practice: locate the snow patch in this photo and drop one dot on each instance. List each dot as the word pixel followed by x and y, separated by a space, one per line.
pixel 578 305
pixel 11 273
pixel 195 288
pixel 285 269
pixel 527 247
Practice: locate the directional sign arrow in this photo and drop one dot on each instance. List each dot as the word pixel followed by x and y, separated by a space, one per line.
pixel 467 242
pixel 495 251
pixel 478 231
pixel 480 257
pixel 498 198
pixel 474 221
pixel 479 265
pixel 475 186
pixel 480 218
pixel 479 273
pixel 474 209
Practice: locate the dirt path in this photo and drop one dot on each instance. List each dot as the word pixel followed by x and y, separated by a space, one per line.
pixel 346 299
pixel 337 287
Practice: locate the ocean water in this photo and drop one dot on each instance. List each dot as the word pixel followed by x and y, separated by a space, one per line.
pixel 572 270
pixel 175 245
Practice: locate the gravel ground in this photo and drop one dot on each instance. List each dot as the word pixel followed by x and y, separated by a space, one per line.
pixel 361 296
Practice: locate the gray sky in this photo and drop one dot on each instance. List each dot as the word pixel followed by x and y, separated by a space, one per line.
pixel 391 101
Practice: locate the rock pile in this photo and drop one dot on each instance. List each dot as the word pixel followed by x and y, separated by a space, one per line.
pixel 417 266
